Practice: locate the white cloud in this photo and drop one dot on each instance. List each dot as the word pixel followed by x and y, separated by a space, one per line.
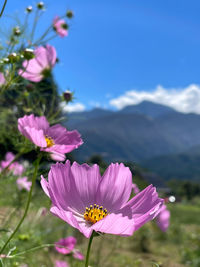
pixel 77 107
pixel 182 99
pixel 94 104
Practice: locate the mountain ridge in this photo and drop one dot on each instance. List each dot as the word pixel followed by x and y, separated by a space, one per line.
pixel 129 135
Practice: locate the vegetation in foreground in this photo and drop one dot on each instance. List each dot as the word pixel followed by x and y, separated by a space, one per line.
pixel 179 246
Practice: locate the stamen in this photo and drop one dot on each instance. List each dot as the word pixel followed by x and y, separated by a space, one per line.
pixel 95 213
pixel 49 140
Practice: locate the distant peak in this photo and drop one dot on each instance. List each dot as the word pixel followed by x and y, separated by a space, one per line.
pixel 148 108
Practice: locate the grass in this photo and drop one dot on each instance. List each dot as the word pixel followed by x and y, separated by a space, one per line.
pixel 178 247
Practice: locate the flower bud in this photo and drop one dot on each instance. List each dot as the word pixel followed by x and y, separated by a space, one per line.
pixel 69 14
pixel 65 26
pixel 28 53
pixel 40 5
pixel 29 9
pixel 6 60
pixel 68 96
pixel 13 57
pixel 16 31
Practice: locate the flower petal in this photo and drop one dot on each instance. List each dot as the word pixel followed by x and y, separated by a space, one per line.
pixel 68 217
pixel 45 185
pixel 66 245
pixel 162 219
pixel 78 255
pixel 39 123
pixel 62 188
pixel 2 79
pixel 32 67
pixel 57 156
pixel 86 179
pixel 61 136
pixel 115 187
pixel 51 55
pixel 119 223
pixel 61 264
pixel 41 57
pixel 31 77
pixel 35 136
pixel 145 206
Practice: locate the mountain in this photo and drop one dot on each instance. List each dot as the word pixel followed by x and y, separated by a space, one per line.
pixel 124 137
pixel 79 117
pixel 146 108
pixel 185 166
pixel 156 136
pixel 149 109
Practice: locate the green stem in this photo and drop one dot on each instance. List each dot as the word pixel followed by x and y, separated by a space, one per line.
pixel 27 204
pixel 32 249
pixel 88 250
pixel 4 5
pixel 13 80
pixel 34 25
pixel 49 39
pixel 24 29
pixel 43 35
pixel 46 33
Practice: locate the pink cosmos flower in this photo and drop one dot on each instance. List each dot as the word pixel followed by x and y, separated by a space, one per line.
pixel 2 79
pixel 23 183
pixel 135 188
pixel 89 202
pixel 78 255
pixel 68 244
pixel 61 264
pixel 55 139
pixel 163 218
pixel 15 167
pixel 40 66
pixel 60 26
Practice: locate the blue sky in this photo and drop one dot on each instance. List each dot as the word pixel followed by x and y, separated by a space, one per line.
pixel 115 47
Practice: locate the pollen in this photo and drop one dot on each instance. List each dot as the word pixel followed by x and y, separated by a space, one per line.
pixel 95 213
pixel 49 141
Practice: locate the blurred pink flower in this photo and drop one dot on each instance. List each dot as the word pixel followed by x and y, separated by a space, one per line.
pixel 44 211
pixel 23 183
pixel 40 66
pixel 61 264
pixel 78 255
pixel 135 188
pixel 2 79
pixel 163 218
pixel 60 26
pixel 68 244
pixel 15 167
pixel 3 256
pixel 55 139
pixel 89 202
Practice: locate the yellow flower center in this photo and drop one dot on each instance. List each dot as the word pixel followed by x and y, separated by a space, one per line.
pixel 95 213
pixel 49 141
